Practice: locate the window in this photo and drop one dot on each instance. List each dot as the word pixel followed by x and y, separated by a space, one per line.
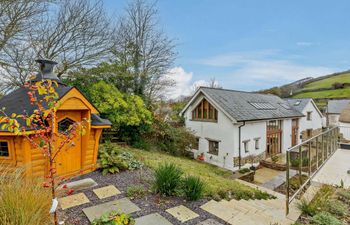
pixel 214 147
pixel 257 143
pixel 262 105
pixel 246 146
pixel 205 111
pixel 309 133
pixel 64 125
pixel 4 149
pixel 196 144
pixel 308 116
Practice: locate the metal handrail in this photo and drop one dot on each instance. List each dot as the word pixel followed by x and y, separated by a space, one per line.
pixel 331 137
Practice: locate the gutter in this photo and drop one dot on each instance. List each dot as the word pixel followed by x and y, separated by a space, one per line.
pixel 239 145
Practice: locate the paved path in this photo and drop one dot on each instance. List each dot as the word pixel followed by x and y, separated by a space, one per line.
pixel 335 169
pixel 278 180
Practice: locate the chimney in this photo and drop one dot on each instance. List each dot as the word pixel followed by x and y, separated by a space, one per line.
pixel 46 70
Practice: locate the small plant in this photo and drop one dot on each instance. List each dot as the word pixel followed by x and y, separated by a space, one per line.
pixel 274 158
pixel 112 159
pixel 22 202
pixel 337 208
pixel 344 195
pixel 244 170
pixel 167 179
pixel 306 208
pixel 193 188
pixel 325 218
pixel 136 192
pixel 114 218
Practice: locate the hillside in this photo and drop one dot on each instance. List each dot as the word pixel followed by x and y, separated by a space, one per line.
pixel 333 86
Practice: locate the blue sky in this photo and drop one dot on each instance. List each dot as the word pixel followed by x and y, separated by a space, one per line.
pixel 251 45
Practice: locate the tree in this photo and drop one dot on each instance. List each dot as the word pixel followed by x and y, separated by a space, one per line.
pixel 127 112
pixel 147 51
pixel 76 33
pixel 39 128
pixel 17 20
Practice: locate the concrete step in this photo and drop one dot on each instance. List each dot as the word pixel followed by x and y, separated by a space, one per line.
pixel 244 205
pixel 235 207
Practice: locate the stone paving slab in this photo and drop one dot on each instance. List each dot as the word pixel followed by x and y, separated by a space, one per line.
pixel 209 222
pixel 278 180
pixel 73 200
pixel 79 184
pixel 107 191
pixel 153 219
pixel 123 205
pixel 182 213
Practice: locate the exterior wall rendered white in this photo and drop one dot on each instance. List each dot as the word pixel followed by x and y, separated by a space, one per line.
pixel 315 122
pixel 286 135
pixel 223 131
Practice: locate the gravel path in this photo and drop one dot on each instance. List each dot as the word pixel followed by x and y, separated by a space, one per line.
pixel 149 204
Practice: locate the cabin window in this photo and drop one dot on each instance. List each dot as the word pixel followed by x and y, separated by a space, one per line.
pixel 64 125
pixel 214 147
pixel 4 149
pixel 246 146
pixel 308 115
pixel 196 144
pixel 257 143
pixel 205 112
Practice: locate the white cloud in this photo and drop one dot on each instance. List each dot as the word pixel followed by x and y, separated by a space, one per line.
pixel 262 69
pixel 182 80
pixel 305 43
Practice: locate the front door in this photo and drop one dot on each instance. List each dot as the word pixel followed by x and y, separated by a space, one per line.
pixel 273 137
pixel 68 160
pixel 295 130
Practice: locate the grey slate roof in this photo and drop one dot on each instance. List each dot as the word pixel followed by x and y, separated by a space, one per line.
pixel 238 105
pixel 18 102
pixel 337 106
pixel 298 103
pixel 96 120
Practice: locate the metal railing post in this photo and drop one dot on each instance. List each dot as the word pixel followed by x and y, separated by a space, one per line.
pixel 300 165
pixel 309 156
pixel 287 182
pixel 317 153
pixel 322 138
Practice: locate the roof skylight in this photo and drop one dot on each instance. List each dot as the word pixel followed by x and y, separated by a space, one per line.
pixel 297 103
pixel 262 105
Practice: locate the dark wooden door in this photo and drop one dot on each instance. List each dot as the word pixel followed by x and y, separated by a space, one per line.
pixel 295 131
pixel 273 137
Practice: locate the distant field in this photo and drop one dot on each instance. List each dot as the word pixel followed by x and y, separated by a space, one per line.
pixel 327 83
pixel 338 93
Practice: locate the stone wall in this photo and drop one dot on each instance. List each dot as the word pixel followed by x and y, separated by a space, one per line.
pixel 314 132
pixel 249 159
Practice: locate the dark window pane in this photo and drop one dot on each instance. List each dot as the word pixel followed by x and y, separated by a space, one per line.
pixel 4 149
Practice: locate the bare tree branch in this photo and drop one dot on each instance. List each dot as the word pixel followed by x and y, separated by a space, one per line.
pixel 147 50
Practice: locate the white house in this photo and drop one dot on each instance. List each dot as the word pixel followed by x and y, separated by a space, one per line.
pixel 312 122
pixel 234 127
pixel 334 109
pixel 344 123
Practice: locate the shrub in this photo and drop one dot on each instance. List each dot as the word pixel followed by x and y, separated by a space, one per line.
pixel 136 192
pixel 23 202
pixel 112 159
pixel 174 140
pixel 344 195
pixel 132 162
pixel 193 188
pixel 325 218
pixel 306 208
pixel 274 158
pixel 167 178
pixel 114 218
pixel 337 208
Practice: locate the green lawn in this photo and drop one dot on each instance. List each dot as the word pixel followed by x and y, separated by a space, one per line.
pixel 327 83
pixel 217 180
pixel 338 93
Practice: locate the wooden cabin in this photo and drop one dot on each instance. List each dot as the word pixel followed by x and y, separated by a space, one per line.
pixel 15 151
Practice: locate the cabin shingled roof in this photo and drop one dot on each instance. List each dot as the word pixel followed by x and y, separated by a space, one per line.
pixel 238 104
pixel 18 102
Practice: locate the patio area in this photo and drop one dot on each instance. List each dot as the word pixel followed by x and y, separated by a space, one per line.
pixel 335 171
